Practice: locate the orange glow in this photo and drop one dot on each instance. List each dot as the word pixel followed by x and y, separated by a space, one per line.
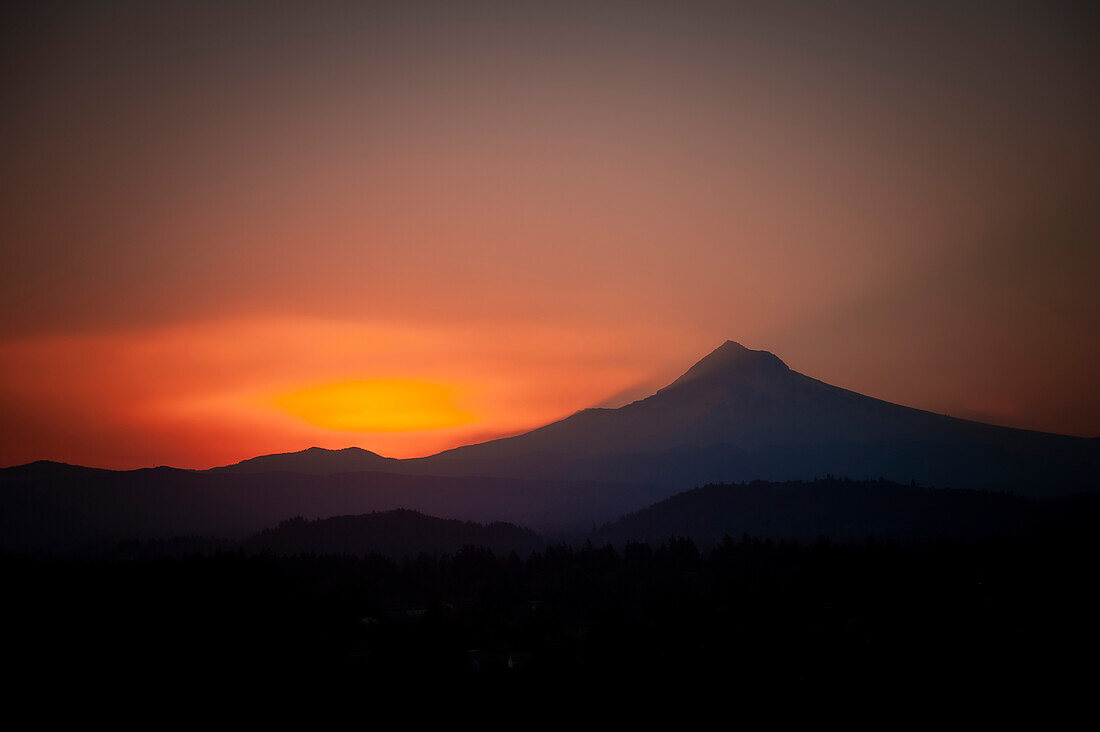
pixel 203 212
pixel 201 394
pixel 378 405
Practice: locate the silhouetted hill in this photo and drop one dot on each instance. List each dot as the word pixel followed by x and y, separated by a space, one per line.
pixel 314 461
pixel 49 469
pixel 851 510
pixel 44 508
pixel 396 533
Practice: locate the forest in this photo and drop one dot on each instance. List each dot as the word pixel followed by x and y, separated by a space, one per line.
pixel 752 612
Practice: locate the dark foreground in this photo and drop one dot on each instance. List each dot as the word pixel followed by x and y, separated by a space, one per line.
pixel 747 614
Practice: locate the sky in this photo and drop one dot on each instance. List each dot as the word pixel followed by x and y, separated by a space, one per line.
pixel 237 228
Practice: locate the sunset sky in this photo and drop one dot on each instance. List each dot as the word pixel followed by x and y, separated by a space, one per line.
pixel 229 229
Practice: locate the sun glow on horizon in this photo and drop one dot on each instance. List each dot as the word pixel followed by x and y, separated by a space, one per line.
pixel 376 405
pixel 197 394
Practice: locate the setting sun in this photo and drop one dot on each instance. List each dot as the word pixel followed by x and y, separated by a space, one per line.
pixel 377 405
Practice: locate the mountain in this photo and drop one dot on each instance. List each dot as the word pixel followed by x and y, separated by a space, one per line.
pixel 737 415
pixel 847 510
pixel 396 533
pixel 741 414
pixel 314 461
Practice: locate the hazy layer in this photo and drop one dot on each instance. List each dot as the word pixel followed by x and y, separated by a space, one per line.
pixel 536 207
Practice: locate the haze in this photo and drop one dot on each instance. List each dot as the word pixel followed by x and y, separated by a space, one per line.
pixel 488 216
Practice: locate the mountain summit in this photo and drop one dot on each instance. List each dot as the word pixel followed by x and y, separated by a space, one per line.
pixel 732 360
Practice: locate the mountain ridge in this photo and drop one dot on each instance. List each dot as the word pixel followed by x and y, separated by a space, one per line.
pixel 742 414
